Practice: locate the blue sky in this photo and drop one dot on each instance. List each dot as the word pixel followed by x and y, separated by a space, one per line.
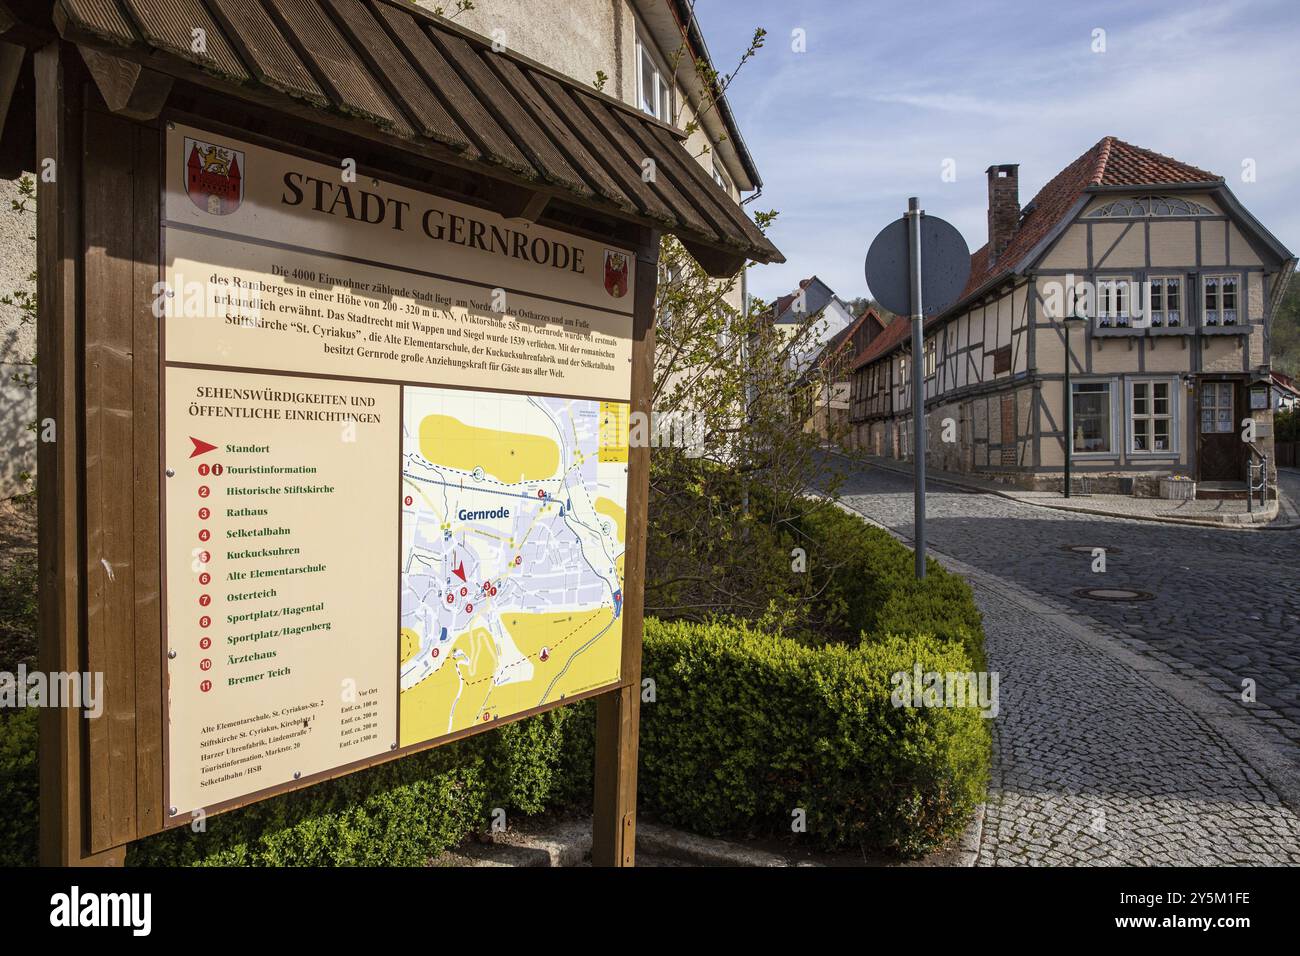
pixel 886 92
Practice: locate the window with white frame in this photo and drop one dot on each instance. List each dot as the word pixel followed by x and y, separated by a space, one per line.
pixel 720 178
pixel 1216 407
pixel 1152 423
pixel 1091 418
pixel 929 358
pixel 653 88
pixel 1113 302
pixel 1219 293
pixel 1165 301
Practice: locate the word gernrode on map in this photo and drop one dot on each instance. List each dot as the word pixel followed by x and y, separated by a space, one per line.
pixel 397 471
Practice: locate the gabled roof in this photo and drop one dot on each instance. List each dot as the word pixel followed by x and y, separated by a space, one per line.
pixel 1284 382
pixel 884 343
pixel 842 338
pixel 1111 162
pixel 395 74
pixel 782 305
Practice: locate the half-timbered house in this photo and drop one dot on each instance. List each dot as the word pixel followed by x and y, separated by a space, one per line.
pixel 1176 284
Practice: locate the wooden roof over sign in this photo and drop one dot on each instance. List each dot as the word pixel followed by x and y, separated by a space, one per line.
pixel 400 75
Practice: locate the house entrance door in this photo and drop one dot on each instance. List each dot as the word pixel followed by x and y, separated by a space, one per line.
pixel 1219 449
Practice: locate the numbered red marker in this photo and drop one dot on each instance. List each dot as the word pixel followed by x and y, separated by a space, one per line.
pixel 204 491
pixel 205 643
pixel 205 621
pixel 492 591
pixel 487 717
pixel 205 664
pixel 205 686
pixel 204 514
pixel 464 591
pixel 204 578
pixel 541 492
pixel 204 470
pixel 519 559
pixel 409 501
pixel 205 600
pixel 469 608
pixel 434 652
pixel 204 557
pixel 451 599
pixel 204 534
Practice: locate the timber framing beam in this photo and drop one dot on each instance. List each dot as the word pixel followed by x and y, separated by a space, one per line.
pixel 129 89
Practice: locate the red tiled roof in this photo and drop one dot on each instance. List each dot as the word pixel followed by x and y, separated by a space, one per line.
pixel 1284 381
pixel 894 333
pixel 1111 162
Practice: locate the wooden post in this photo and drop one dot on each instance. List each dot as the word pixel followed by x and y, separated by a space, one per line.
pixel 618 714
pixel 59 530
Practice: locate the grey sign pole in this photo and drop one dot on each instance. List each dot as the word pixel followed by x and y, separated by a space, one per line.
pixel 914 215
pixel 898 282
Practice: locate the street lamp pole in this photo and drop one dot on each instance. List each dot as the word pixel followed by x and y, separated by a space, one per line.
pixel 1071 316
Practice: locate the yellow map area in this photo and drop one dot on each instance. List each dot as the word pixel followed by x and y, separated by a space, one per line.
pixel 509 457
pixel 463 685
pixel 613 431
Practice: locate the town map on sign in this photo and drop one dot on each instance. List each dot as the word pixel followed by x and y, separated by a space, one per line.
pixel 513 523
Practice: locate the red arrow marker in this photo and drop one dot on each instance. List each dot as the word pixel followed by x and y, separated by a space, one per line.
pixel 459 570
pixel 201 447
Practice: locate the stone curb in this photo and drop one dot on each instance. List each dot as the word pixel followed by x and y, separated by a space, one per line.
pixel 1228 523
pixel 1237 729
pixel 702 851
pixel 569 844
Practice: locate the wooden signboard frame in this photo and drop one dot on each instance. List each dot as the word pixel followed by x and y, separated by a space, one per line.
pixel 99 522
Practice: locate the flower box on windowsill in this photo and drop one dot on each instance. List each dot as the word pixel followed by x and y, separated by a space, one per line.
pixel 1241 328
pixel 1177 489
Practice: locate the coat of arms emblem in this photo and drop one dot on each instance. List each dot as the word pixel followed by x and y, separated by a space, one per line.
pixel 616 273
pixel 214 177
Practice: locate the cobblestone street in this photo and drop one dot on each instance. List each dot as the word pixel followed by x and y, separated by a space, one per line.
pixel 1100 757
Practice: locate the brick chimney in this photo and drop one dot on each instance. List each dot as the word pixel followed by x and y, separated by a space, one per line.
pixel 1004 206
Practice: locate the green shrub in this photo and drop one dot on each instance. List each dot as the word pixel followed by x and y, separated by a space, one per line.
pixel 18 789
pixel 1286 426
pixel 747 727
pixel 876 584
pixel 397 814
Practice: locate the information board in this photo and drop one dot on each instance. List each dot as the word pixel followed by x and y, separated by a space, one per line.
pixel 396 443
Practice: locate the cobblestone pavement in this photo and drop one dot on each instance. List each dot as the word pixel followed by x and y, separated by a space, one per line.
pixel 1094 765
pixel 1225 603
pixel 1096 761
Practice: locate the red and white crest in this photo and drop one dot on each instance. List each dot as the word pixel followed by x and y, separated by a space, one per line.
pixel 214 177
pixel 616 273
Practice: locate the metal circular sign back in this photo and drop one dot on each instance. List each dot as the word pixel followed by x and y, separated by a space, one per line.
pixel 945 266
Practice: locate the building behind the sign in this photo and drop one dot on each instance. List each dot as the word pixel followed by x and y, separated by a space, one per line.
pixel 1169 362
pixel 17 341
pixel 644 49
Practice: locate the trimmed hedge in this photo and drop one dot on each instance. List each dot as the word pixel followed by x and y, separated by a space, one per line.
pixel 876 582
pixel 747 727
pixel 398 814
